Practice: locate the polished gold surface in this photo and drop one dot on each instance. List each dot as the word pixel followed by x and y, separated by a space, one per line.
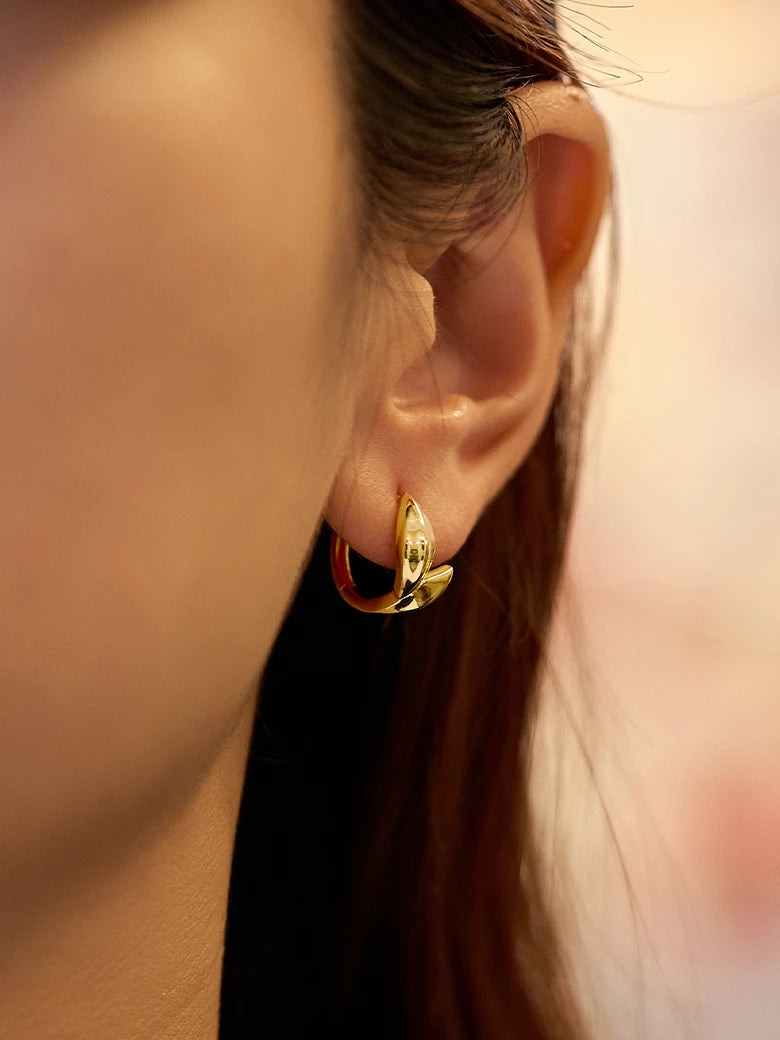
pixel 415 585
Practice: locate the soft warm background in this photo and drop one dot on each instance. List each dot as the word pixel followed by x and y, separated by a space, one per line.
pixel 672 832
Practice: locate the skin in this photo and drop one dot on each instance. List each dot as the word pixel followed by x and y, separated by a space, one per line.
pixel 182 398
pixel 166 296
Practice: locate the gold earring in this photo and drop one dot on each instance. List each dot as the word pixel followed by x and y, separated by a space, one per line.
pixel 415 585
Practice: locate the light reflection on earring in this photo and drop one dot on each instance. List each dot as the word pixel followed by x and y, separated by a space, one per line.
pixel 415 585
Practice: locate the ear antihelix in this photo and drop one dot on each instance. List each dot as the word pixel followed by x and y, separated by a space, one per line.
pixel 415 585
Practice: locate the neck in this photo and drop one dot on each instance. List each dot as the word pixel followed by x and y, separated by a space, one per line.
pixel 137 954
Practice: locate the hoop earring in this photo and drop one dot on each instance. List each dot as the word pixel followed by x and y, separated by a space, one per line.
pixel 415 585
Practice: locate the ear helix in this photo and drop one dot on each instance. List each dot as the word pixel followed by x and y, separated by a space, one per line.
pixel 415 585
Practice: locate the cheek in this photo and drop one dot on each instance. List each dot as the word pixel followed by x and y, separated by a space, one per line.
pixel 164 388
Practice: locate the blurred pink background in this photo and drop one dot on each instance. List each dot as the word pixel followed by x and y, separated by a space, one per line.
pixel 674 686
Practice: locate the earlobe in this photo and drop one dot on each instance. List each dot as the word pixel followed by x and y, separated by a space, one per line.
pixel 459 419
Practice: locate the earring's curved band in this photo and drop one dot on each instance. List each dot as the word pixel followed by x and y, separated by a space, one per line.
pixel 415 585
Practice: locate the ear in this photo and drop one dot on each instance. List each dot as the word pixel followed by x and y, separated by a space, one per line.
pixel 479 371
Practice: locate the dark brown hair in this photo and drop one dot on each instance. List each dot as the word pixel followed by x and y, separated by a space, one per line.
pixel 386 881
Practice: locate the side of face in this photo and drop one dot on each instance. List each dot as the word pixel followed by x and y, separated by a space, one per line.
pixel 191 372
pixel 173 192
